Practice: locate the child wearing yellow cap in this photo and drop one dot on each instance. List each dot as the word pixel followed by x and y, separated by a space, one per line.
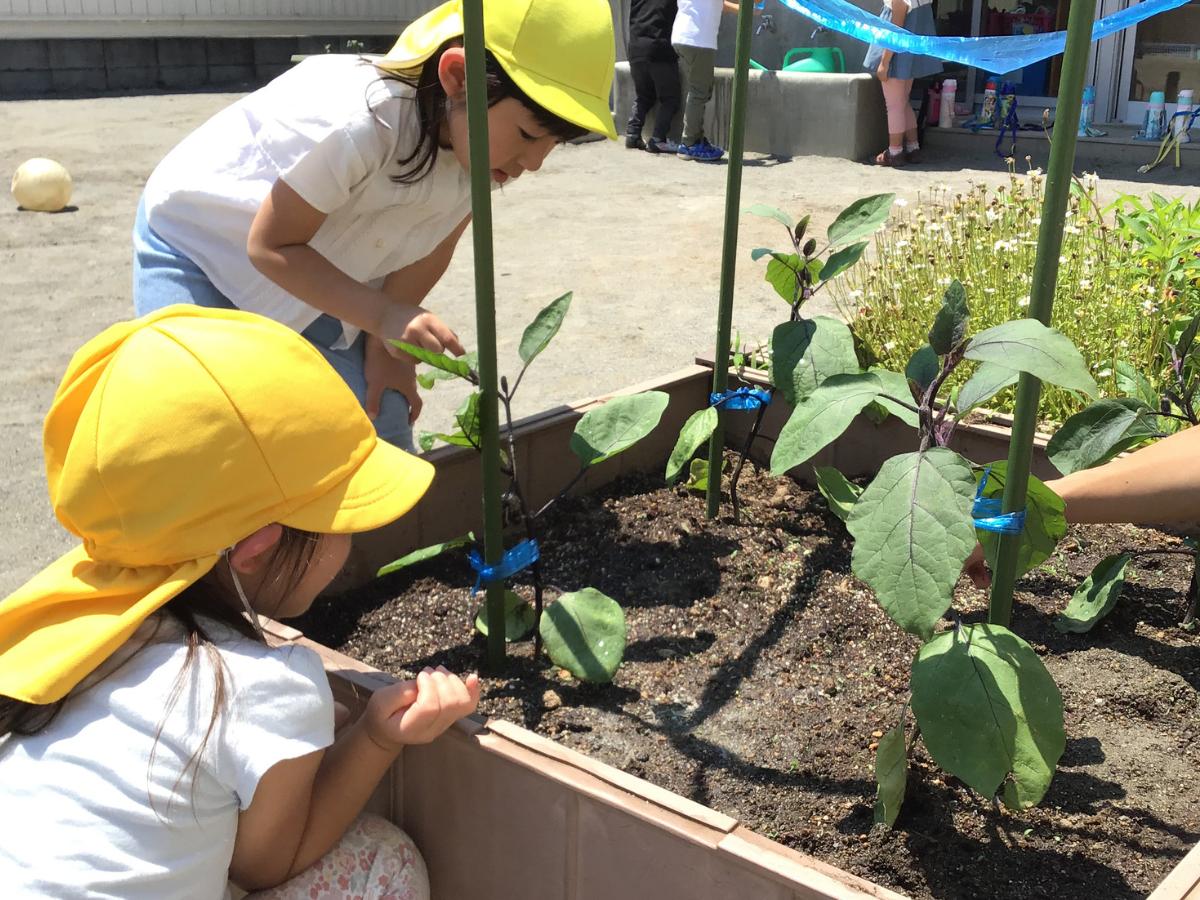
pixel 152 743
pixel 332 199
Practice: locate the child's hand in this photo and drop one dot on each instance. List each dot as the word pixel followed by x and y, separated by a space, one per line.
pixel 976 568
pixel 416 712
pixel 881 71
pixel 417 325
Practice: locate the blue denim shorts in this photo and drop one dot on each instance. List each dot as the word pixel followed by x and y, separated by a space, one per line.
pixel 163 276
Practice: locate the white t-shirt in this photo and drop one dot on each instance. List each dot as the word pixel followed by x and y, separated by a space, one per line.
pixel 85 814
pixel 334 131
pixel 697 23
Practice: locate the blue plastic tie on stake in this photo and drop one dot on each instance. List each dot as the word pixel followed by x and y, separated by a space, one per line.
pixel 741 398
pixel 986 511
pixel 999 54
pixel 522 556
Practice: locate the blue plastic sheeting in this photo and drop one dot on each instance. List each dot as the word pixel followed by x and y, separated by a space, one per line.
pixel 992 54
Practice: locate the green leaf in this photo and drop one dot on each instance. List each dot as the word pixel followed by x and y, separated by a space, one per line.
pixel 759 252
pixel 467 417
pixel 426 439
pixel 860 219
pixel 1029 346
pixel 543 328
pixel 891 776
pixel 821 417
pixel 1099 432
pixel 1187 337
pixel 617 425
pixel 782 272
pixel 985 383
pixel 912 533
pixel 418 556
pixel 805 353
pixel 698 475
pixel 458 439
pixel 770 212
pixel 923 367
pixel 1095 598
pixel 696 430
pixel 950 323
pixel 459 366
pixel 518 617
pixel 840 493
pixel 584 633
pixel 989 712
pixel 428 379
pixel 1045 521
pixel 896 385
pixel 1133 383
pixel 841 260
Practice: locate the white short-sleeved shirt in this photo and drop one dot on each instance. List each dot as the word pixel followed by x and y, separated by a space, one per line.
pixel 334 131
pixel 697 23
pixel 93 807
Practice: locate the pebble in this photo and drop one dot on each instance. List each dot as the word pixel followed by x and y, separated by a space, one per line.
pixel 551 700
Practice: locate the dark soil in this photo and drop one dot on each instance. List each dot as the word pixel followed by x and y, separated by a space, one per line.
pixel 759 673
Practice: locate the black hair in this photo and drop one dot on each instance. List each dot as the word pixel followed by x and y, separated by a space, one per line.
pixel 431 110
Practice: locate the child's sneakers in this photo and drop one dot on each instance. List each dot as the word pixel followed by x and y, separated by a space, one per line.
pixel 634 142
pixel 656 146
pixel 701 151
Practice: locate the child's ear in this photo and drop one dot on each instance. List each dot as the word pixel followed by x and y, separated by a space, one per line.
pixel 250 554
pixel 452 71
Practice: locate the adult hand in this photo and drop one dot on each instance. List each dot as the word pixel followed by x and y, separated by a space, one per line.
pixel 416 712
pixel 417 325
pixel 383 370
pixel 881 71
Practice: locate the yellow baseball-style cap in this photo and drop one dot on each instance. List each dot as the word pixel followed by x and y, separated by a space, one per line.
pixel 561 53
pixel 171 438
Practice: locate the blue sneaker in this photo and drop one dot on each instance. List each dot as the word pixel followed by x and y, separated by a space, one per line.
pixel 701 151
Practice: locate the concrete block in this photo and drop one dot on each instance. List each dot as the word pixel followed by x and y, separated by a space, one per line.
pixel 76 81
pixel 130 53
pixel 265 72
pixel 180 52
pixel 132 77
pixel 229 51
pixel 77 54
pixel 21 56
pixel 183 76
pixel 274 51
pixel 24 84
pixel 235 74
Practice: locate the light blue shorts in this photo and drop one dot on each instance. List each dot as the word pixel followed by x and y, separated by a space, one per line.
pixel 163 276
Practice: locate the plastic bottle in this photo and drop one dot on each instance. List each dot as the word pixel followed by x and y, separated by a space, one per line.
pixel 935 106
pixel 1183 104
pixel 1155 114
pixel 946 114
pixel 1088 111
pixel 987 116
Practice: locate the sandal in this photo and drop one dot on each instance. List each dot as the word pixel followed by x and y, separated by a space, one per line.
pixel 886 158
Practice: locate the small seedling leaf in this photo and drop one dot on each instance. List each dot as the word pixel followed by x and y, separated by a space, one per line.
pixel 770 212
pixel 698 475
pixel 912 533
pixel 1045 521
pixel 460 366
pixel 841 260
pixel 617 425
pixel 518 617
pixel 543 328
pixel 1095 598
pixel 805 353
pixel 1099 432
pixel 821 417
pixel 839 492
pixel 985 383
pixel 923 367
pixel 419 556
pixel 696 430
pixel 584 633
pixel 989 712
pixel 891 776
pixel 1029 346
pixel 860 219
pixel 950 323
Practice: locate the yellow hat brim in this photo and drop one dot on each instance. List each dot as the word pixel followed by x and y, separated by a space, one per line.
pixel 568 104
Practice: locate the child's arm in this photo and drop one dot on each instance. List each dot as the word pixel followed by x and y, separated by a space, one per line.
pixel 303 806
pixel 278 247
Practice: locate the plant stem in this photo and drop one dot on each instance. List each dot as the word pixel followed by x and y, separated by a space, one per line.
pixel 733 199
pixel 549 503
pixel 737 470
pixel 535 570
pixel 1041 303
pixel 485 317
pixel 1193 596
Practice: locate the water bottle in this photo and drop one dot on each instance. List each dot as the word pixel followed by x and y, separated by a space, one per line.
pixel 987 116
pixel 946 114
pixel 1155 113
pixel 1183 104
pixel 1088 111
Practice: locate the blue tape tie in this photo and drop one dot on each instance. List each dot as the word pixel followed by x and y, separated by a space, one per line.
pixel 522 556
pixel 741 398
pixel 995 55
pixel 986 511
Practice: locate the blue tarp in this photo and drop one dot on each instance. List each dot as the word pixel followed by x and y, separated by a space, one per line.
pixel 992 54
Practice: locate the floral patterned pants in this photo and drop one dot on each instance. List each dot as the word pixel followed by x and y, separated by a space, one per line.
pixel 374 860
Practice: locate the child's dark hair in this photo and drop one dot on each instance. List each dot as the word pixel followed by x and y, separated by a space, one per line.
pixel 206 599
pixel 431 110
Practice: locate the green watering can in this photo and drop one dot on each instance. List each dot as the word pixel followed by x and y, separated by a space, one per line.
pixel 810 59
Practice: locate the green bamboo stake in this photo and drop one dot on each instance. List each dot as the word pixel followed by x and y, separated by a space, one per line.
pixel 1041 299
pixel 485 318
pixel 733 201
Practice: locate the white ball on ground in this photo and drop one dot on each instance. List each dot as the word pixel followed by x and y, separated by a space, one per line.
pixel 42 185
